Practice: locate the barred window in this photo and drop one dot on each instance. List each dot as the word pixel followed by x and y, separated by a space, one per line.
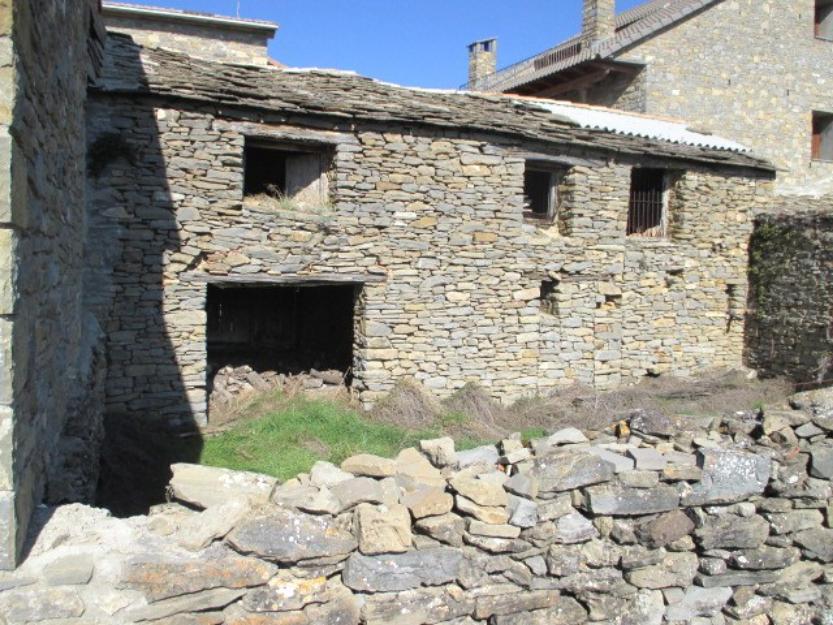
pixel 648 203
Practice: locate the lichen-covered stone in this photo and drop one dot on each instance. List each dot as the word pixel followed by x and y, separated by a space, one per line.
pixel 284 535
pixel 388 573
pixel 624 501
pixel 728 476
pixel 566 470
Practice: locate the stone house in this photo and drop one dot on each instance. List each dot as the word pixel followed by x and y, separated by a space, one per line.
pixel 310 219
pixel 758 71
pixel 445 237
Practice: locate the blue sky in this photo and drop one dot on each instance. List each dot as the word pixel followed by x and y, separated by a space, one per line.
pixel 411 42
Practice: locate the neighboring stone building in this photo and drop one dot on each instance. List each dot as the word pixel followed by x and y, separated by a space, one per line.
pixel 445 237
pixel 759 71
pixel 202 35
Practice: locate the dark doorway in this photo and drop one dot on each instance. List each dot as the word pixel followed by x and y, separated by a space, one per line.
pixel 286 329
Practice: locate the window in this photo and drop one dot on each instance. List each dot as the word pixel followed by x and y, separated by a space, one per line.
pixel 541 197
pixel 549 297
pixel 822 136
pixel 824 19
pixel 648 203
pixel 291 175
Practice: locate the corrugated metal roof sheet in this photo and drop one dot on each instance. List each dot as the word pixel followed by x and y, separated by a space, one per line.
pixel 635 125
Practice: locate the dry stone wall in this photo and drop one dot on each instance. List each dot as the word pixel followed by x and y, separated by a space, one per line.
pixel 790 324
pixel 693 520
pixel 429 222
pixel 47 347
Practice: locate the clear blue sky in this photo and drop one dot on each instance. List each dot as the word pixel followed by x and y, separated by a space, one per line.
pixel 410 42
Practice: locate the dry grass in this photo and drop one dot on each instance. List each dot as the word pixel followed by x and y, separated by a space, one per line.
pixel 471 413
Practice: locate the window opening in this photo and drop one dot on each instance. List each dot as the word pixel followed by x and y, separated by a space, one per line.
pixel 824 19
pixel 541 196
pixel 822 136
pixel 549 297
pixel 295 177
pixel 648 203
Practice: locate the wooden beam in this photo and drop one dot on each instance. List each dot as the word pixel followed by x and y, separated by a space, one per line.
pixel 572 85
pixel 266 279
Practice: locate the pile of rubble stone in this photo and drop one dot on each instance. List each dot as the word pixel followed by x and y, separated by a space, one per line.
pixel 232 383
pixel 697 521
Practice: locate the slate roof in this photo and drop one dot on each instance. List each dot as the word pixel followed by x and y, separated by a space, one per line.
pixel 342 97
pixel 641 22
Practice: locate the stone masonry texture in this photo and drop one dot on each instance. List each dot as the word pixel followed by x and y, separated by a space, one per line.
pixel 752 70
pixel 429 221
pixel 790 323
pixel 730 524
pixel 749 69
pixel 43 44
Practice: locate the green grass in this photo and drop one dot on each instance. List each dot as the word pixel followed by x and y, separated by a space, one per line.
pixel 289 438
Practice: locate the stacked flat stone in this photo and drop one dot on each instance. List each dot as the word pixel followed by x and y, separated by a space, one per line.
pixel 700 521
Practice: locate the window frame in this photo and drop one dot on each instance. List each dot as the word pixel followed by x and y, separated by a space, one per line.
pixel 820 7
pixel 667 178
pixel 820 144
pixel 556 173
pixel 325 153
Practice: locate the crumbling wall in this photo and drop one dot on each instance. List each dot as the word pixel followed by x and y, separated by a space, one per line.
pixel 430 224
pixel 790 323
pixel 48 51
pixel 677 521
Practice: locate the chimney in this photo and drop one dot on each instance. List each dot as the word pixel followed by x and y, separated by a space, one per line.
pixel 482 61
pixel 598 20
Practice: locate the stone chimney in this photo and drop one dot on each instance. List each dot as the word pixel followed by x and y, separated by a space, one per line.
pixel 598 20
pixel 482 60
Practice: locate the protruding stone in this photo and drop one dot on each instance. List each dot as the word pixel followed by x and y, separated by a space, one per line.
pixel 413 470
pixel 205 486
pixel 731 532
pixel 567 470
pixel 288 536
pixel 699 602
pixel 440 451
pixel 487 514
pixel 425 502
pixel 665 529
pixel 383 530
pixel 728 476
pixel 447 528
pixel 574 528
pixel 368 465
pixel 390 573
pixel 480 491
pixel 623 501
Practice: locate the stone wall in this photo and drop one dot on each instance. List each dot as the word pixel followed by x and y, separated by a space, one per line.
pixel 225 43
pixel 429 223
pixel 43 44
pixel 751 70
pixel 677 521
pixel 790 324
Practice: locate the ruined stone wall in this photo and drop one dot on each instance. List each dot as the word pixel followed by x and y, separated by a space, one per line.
pixel 670 521
pixel 751 70
pixel 214 43
pixel 790 323
pixel 44 64
pixel 431 224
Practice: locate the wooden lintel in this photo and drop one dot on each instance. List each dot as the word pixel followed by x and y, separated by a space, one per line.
pixel 265 279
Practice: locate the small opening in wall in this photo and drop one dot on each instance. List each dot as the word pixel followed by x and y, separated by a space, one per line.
pixel 278 330
pixel 823 21
pixel 822 148
pixel 549 297
pixel 296 175
pixel 541 195
pixel 648 203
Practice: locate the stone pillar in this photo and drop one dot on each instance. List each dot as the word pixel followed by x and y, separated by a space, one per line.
pixel 598 20
pixel 482 61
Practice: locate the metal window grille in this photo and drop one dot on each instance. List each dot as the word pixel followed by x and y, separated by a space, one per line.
pixel 646 212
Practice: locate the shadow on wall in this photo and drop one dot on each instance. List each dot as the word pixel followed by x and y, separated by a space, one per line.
pixel 789 326
pixel 132 219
